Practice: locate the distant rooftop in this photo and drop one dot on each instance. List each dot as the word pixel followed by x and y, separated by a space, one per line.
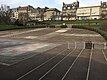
pixel 52 9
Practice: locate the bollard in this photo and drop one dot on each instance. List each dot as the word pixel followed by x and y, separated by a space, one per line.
pixel 68 45
pixel 75 45
pixel 105 45
pixel 84 45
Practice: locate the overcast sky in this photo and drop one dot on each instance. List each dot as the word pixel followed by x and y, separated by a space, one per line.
pixel 48 3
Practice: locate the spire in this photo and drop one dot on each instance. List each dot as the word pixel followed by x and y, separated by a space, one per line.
pixel 63 3
pixel 77 1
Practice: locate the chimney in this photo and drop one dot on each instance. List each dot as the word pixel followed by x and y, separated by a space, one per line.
pixel 63 3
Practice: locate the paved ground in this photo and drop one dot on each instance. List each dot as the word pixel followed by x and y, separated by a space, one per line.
pixel 52 54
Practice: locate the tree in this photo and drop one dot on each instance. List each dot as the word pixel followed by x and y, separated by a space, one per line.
pixel 5 17
pixel 23 18
pixel 103 16
pixel 104 25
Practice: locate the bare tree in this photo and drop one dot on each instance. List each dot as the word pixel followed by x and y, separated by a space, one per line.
pixel 5 17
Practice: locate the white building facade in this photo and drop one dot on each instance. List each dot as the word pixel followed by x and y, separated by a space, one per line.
pixel 92 12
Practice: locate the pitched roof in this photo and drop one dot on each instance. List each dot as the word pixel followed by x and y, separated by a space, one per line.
pixel 52 9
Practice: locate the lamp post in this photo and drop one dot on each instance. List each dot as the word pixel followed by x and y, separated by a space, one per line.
pixel 90 15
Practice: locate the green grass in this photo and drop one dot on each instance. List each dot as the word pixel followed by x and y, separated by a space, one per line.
pixel 14 27
pixel 11 27
pixel 89 23
pixel 81 22
pixel 7 27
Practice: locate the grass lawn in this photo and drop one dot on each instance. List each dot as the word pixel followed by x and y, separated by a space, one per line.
pixel 8 27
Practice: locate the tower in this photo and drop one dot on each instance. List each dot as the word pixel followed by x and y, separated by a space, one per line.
pixel 77 3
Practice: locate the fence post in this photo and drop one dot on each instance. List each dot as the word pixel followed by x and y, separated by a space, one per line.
pixel 75 45
pixel 92 45
pixel 105 45
pixel 84 45
pixel 68 45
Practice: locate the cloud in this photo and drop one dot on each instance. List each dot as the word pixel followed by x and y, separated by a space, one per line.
pixel 66 1
pixel 9 1
pixel 82 2
pixel 48 3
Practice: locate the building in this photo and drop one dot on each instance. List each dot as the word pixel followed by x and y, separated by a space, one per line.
pixel 73 11
pixel 69 11
pixel 40 13
pixel 52 14
pixel 14 13
pixel 104 10
pixel 91 12
pixel 27 12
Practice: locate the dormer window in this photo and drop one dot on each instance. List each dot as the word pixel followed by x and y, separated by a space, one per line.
pixel 64 8
pixel 68 7
pixel 73 7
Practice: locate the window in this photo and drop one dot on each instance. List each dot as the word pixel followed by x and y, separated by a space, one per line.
pixel 68 7
pixel 64 8
pixel 73 7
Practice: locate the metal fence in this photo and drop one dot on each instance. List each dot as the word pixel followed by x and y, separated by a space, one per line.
pixel 86 45
pixel 99 45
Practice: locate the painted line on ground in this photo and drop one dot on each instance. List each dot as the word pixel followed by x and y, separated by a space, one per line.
pixel 72 65
pixel 4 64
pixel 13 34
pixel 40 65
pixel 89 67
pixel 56 65
pixel 104 55
pixel 81 35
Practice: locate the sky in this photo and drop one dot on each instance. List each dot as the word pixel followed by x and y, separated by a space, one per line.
pixel 48 3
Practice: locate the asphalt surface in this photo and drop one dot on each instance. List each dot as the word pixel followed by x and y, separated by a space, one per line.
pixel 99 66
pixel 67 61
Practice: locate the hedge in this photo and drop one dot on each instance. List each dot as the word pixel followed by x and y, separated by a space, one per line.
pixel 63 26
pixel 15 27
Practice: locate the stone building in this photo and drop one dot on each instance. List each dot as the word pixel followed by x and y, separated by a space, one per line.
pixel 69 11
pixel 52 14
pixel 14 13
pixel 27 11
pixel 104 10
pixel 40 13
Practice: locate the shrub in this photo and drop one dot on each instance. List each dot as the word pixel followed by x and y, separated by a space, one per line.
pixel 63 26
pixel 104 25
